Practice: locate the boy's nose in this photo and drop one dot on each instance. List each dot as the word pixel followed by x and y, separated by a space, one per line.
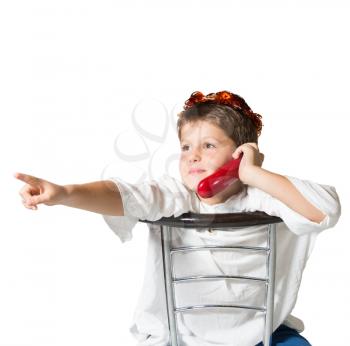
pixel 195 156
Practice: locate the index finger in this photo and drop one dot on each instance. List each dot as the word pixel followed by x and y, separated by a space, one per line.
pixel 29 179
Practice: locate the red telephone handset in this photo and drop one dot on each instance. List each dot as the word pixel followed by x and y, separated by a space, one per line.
pixel 219 180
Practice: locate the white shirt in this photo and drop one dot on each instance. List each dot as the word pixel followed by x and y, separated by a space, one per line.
pixel 152 200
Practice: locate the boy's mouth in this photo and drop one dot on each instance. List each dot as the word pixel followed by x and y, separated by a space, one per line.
pixel 196 171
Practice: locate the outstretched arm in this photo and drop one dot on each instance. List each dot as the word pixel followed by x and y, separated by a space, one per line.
pixel 101 197
pixel 276 185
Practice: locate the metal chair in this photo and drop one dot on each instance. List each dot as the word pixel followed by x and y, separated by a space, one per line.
pixel 222 222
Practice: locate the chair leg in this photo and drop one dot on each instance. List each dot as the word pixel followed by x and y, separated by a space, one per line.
pixel 270 268
pixel 169 288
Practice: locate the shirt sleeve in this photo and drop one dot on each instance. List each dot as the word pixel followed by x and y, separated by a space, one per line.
pixel 149 200
pixel 323 197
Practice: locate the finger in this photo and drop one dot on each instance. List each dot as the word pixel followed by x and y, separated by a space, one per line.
pixel 25 203
pixel 26 197
pixel 26 192
pixel 237 152
pixel 33 207
pixel 29 179
pixel 34 200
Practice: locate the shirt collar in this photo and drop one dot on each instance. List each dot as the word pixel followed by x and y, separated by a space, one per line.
pixel 230 205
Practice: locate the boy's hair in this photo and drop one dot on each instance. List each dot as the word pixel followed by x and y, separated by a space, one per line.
pixel 235 122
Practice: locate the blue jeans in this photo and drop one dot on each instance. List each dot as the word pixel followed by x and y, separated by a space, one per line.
pixel 285 336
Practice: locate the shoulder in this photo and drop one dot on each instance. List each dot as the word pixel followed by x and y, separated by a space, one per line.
pixel 168 185
pixel 171 182
pixel 154 198
pixel 255 195
pixel 311 186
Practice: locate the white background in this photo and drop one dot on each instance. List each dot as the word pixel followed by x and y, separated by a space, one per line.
pixel 79 79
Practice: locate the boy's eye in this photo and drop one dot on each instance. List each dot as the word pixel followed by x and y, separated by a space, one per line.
pixel 184 147
pixel 209 145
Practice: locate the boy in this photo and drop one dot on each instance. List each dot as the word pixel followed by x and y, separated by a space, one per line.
pixel 212 130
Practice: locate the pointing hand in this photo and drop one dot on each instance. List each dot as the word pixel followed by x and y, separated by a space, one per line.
pixel 37 191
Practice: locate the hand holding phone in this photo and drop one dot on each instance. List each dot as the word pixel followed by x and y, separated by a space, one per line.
pixel 220 179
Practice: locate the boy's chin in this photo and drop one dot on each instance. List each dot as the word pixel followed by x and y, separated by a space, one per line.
pixel 191 185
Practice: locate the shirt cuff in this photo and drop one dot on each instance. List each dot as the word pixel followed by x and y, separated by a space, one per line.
pixel 122 226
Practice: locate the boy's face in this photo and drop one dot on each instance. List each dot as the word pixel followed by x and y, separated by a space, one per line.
pixel 204 148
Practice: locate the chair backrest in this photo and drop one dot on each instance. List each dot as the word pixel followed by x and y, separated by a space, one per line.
pixel 224 222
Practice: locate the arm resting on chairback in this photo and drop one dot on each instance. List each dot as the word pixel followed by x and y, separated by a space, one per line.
pixel 280 187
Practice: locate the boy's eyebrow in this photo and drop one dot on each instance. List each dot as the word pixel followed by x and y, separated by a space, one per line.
pixel 215 138
pixel 206 137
